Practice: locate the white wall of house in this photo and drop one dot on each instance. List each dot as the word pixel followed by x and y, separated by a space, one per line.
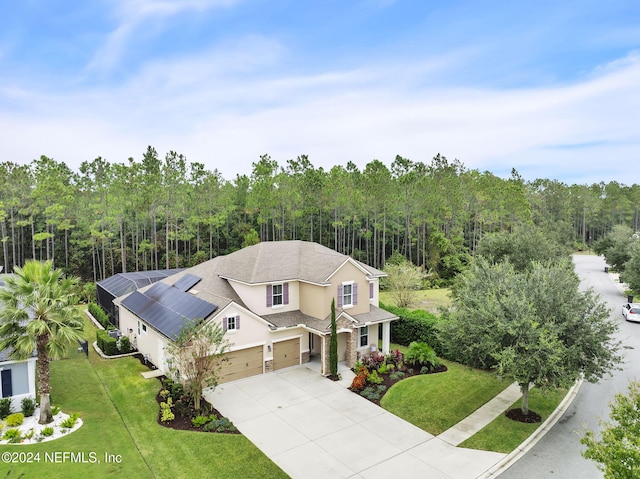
pixel 252 330
pixel 23 381
pixel 149 342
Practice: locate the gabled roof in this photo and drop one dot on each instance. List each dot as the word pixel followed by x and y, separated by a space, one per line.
pixel 274 261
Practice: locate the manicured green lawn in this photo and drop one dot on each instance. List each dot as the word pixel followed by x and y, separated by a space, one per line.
pixel 428 299
pixel 119 411
pixel 504 434
pixel 435 402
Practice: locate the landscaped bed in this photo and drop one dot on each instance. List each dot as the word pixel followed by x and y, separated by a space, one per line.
pixel 376 373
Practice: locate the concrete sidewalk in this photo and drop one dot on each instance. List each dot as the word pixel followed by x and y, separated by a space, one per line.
pixel 482 416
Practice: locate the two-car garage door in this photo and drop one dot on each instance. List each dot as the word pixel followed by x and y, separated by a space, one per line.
pixel 241 364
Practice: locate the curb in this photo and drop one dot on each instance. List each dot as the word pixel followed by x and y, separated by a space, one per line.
pixel 538 434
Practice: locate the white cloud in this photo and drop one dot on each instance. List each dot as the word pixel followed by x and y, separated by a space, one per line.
pixel 230 105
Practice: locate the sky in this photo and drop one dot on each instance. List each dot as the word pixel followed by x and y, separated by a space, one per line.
pixel 550 88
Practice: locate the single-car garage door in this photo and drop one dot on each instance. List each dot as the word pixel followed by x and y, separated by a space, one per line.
pixel 286 353
pixel 241 364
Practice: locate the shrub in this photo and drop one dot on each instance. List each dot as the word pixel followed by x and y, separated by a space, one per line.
pixel 29 435
pixel 200 421
pixel 70 421
pixel 5 407
pixel 55 410
pixel 397 375
pixel 98 313
pixel 424 370
pixel 422 354
pixel 220 425
pixel 358 383
pixel 125 345
pixel 373 393
pixel 395 357
pixel 12 434
pixel 383 368
pixel 107 344
pixel 176 390
pixel 374 378
pixel 415 325
pixel 374 360
pixel 14 419
pixel 166 414
pixel 47 431
pixel 28 407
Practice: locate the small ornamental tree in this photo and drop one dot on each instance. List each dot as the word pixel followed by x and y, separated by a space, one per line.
pixel 333 342
pixel 617 450
pixel 197 357
pixel 403 280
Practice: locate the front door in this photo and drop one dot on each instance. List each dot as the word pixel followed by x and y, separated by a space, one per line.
pixel 7 385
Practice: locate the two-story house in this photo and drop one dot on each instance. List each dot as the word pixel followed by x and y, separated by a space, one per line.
pixel 273 300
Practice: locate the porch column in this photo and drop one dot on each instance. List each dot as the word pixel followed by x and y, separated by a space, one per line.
pixel 386 337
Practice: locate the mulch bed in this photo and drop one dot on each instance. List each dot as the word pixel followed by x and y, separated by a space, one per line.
pixel 517 415
pixel 182 421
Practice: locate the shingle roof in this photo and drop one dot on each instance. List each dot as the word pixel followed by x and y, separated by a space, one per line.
pixel 272 261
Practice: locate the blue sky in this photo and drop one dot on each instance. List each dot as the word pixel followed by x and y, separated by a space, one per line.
pixel 551 88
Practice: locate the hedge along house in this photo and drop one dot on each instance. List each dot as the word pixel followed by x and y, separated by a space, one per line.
pixel 273 301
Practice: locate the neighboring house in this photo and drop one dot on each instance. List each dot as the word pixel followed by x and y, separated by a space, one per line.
pixel 17 378
pixel 273 300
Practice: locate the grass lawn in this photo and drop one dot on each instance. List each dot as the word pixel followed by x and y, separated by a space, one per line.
pixel 428 299
pixel 119 411
pixel 435 402
pixel 504 434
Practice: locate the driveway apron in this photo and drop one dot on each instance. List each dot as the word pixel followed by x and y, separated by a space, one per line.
pixel 313 427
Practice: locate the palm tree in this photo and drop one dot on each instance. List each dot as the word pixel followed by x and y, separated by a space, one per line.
pixel 38 312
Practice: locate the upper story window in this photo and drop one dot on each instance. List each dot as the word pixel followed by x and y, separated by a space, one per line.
pixel 347 294
pixel 371 291
pixel 277 294
pixel 231 323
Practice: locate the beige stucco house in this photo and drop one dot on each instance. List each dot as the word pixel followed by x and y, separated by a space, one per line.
pixel 273 300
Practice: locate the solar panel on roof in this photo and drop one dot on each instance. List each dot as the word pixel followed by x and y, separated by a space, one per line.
pixel 166 308
pixel 187 282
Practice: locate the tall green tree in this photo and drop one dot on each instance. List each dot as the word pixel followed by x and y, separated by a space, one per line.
pixel 38 312
pixel 616 246
pixel 527 243
pixel 532 326
pixel 617 451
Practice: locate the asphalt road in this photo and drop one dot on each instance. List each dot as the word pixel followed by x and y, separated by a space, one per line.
pixel 558 454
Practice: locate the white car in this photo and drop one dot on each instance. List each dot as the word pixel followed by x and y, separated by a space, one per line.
pixel 631 312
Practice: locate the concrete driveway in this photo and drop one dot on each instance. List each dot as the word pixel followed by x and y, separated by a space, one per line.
pixel 313 427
